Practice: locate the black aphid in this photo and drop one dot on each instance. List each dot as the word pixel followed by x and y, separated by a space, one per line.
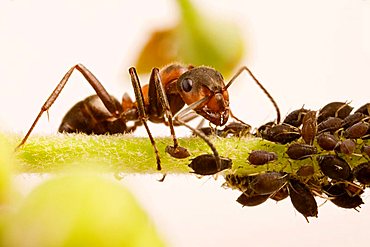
pixel 280 194
pixel 280 133
pixel 347 146
pixel 327 141
pixel 295 118
pixel 365 109
pixel 252 200
pixel 309 127
pixel 302 199
pixel 261 157
pixel 330 124
pixel 362 173
pixel 339 196
pixel 268 183
pixel 353 119
pixel 366 150
pixel 334 109
pixel 298 151
pixel 334 167
pixel 306 171
pixel 205 164
pixel 357 130
pixel 236 129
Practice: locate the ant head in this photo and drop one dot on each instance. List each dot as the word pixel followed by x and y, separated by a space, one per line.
pixel 201 82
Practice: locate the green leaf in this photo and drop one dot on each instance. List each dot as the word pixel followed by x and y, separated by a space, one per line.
pixel 80 209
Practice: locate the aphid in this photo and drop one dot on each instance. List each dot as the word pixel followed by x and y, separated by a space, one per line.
pixel 365 109
pixel 261 157
pixel 352 189
pixel 327 141
pixel 268 183
pixel 280 133
pixel 347 201
pixel 205 164
pixel 334 109
pixel 201 88
pixel 362 173
pixel 281 194
pixel 236 129
pixel 339 196
pixel 295 118
pixel 309 127
pixel 334 167
pixel 302 199
pixel 330 124
pixel 347 146
pixel 265 128
pixel 366 150
pixel 357 130
pixel 252 200
pixel 353 119
pixel 237 182
pixel 209 131
pixel 298 151
pixel 306 171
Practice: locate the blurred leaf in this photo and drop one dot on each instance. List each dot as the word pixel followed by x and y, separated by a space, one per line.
pixel 161 49
pixel 6 162
pixel 197 39
pixel 80 210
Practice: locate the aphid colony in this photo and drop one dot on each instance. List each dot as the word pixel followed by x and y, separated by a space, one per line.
pixel 331 140
pixel 330 154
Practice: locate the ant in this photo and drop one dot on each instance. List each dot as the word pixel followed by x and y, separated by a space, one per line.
pixel 201 88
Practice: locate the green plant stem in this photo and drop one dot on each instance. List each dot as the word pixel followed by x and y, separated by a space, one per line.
pixel 121 152
pixel 128 154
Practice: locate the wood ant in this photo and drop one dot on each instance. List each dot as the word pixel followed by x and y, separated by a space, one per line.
pixel 201 88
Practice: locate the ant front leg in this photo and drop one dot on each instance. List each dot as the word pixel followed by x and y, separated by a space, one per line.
pixel 156 97
pixel 175 150
pixel 93 81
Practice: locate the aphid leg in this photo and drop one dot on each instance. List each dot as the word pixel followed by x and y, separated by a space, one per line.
pixel 141 111
pixel 260 85
pixel 94 82
pixel 175 150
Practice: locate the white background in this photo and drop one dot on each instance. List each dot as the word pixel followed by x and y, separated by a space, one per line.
pixel 304 52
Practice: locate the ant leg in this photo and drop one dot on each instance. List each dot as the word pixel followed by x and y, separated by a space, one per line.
pixel 260 85
pixel 175 150
pixel 206 139
pixel 237 119
pixel 94 82
pixel 141 111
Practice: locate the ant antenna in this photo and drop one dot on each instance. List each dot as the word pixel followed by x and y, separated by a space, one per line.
pixel 260 85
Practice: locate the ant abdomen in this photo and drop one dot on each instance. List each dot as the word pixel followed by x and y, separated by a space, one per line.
pixel 90 116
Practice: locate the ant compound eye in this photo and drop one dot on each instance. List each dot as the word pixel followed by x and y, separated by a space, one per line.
pixel 187 85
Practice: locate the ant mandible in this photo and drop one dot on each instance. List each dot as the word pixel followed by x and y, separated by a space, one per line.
pixel 201 88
